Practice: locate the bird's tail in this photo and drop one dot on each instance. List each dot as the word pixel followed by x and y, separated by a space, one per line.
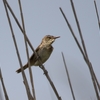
pixel 24 67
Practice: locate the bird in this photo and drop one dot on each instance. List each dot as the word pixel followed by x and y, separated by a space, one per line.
pixel 44 51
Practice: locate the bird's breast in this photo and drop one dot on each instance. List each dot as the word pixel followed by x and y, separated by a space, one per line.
pixel 44 54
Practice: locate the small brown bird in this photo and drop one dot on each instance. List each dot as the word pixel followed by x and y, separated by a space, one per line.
pixel 44 51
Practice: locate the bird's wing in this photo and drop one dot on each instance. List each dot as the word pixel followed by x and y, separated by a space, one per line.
pixel 33 57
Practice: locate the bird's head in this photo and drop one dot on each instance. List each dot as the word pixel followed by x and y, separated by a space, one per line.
pixel 48 39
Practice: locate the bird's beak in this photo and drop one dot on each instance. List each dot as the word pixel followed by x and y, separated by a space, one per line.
pixel 56 37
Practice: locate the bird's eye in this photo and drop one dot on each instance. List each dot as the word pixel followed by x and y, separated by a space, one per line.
pixel 49 38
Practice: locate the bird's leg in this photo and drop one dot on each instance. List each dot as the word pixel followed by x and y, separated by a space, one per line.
pixel 45 71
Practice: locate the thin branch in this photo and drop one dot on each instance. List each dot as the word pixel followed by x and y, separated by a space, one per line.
pixel 14 40
pixel 85 51
pixel 4 88
pixel 30 71
pixel 84 56
pixel 79 29
pixel 68 77
pixel 97 13
pixel 78 44
pixel 76 40
pixel 94 79
pixel 16 20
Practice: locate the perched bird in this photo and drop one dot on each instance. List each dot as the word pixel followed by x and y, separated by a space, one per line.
pixel 44 51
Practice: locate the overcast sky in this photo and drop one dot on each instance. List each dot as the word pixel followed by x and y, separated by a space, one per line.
pixel 44 18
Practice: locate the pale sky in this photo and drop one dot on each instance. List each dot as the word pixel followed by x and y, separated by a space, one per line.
pixel 44 18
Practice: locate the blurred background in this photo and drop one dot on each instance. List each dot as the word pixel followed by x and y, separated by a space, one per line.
pixel 44 18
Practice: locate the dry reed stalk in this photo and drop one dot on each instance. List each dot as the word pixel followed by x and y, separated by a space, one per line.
pixel 67 73
pixel 84 53
pixel 3 86
pixel 93 76
pixel 18 55
pixel 30 71
pixel 97 13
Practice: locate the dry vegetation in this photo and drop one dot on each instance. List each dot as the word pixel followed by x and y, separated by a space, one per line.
pixel 31 96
